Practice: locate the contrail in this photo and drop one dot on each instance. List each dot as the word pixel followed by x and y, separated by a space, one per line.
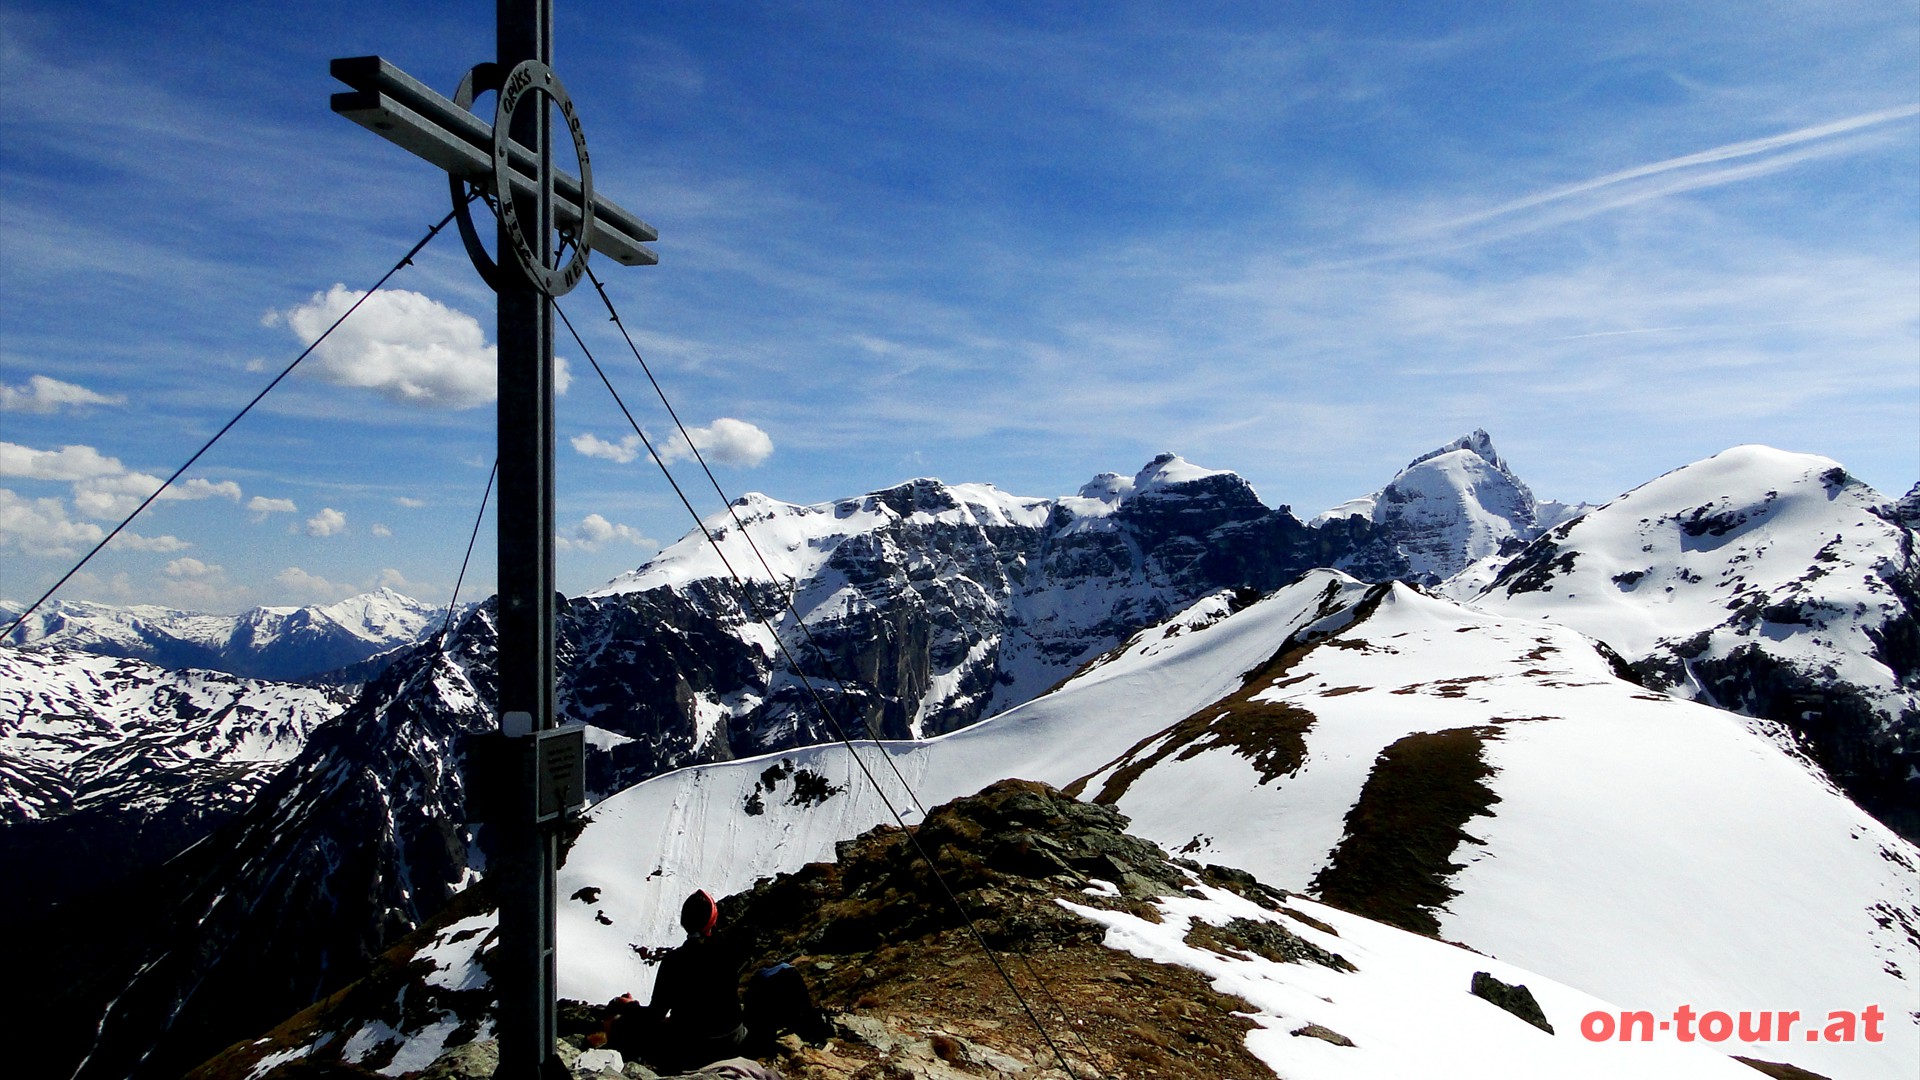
pixel 1704 157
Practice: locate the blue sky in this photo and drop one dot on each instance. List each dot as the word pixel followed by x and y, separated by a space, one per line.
pixel 1019 243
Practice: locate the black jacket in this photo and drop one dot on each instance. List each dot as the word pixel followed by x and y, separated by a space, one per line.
pixel 697 992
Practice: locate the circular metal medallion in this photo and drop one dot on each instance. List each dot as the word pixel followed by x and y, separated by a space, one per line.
pixel 479 79
pixel 534 77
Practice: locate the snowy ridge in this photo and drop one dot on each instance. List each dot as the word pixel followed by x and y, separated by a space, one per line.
pixel 1402 1009
pixel 1763 581
pixel 1794 897
pixel 797 541
pixel 281 643
pixel 943 605
pixel 79 731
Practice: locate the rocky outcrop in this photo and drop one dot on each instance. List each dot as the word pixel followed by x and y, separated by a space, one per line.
pixel 881 942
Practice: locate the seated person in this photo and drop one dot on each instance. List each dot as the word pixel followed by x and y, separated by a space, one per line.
pixel 696 1017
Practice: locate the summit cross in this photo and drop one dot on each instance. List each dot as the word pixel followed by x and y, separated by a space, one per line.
pixel 510 162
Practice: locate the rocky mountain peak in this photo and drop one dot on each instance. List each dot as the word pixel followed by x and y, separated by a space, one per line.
pixel 1448 509
pixel 1907 508
pixel 924 495
pixel 1170 470
pixel 1108 487
pixel 1476 442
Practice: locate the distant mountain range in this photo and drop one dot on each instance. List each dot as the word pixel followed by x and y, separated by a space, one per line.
pixel 283 644
pixel 929 607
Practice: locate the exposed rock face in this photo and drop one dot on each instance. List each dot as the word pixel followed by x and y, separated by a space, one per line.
pixel 1908 508
pixel 1517 1000
pixel 926 607
pixel 879 941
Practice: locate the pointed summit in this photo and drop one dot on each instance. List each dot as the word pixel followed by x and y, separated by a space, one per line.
pixel 1448 509
pixel 1478 442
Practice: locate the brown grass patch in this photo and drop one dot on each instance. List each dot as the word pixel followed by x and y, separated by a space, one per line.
pixel 1394 861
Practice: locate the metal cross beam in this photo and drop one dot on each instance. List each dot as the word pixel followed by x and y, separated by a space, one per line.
pixel 413 116
pixel 536 780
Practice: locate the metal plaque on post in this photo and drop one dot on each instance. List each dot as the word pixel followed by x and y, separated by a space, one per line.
pixel 560 768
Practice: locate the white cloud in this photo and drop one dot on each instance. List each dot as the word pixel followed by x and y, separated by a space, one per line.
pixel 403 345
pixel 328 522
pixel 102 487
pixel 399 582
pixel 190 567
pixel 112 497
pixel 207 592
pixel 205 489
pixel 595 532
pixel 66 463
pixel 162 544
pixel 380 530
pixel 411 504
pixel 260 506
pixel 44 395
pixel 87 585
pixel 726 441
pixel 312 586
pixel 43 527
pixel 595 447
pixel 308 587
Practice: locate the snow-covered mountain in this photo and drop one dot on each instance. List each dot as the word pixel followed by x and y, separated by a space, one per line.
pixel 1448 509
pixel 930 606
pixel 938 604
pixel 1769 583
pixel 345 849
pixel 1480 779
pixel 1181 970
pixel 280 643
pixel 109 766
pixel 79 731
pixel 1489 779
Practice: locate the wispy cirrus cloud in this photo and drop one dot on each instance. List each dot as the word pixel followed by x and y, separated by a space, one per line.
pixel 1726 164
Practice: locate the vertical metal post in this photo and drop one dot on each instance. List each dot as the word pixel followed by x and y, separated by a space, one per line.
pixel 526 667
